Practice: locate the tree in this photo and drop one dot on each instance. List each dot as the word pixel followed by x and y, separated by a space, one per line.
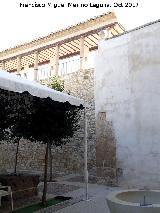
pixel 6 119
pixel 14 107
pixel 57 84
pixel 52 123
pixel 39 120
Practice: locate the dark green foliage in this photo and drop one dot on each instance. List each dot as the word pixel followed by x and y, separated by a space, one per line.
pixel 14 110
pixel 37 119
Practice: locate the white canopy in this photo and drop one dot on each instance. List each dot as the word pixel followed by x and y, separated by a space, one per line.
pixel 12 82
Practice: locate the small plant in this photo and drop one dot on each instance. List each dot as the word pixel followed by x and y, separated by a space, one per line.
pixel 56 83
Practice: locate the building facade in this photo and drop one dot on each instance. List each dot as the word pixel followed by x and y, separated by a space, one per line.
pixel 127 107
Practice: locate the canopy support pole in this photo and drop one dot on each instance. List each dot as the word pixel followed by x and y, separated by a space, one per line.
pixel 85 155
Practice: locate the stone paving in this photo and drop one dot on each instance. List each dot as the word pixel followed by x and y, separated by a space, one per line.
pixel 80 178
pixel 55 188
pixel 78 204
pixel 95 204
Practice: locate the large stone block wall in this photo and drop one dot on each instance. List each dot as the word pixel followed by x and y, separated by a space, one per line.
pixel 69 158
pixel 128 93
pixel 81 84
pixel 30 156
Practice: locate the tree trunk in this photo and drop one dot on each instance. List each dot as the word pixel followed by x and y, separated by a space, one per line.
pixel 44 200
pixel 50 162
pixel 16 160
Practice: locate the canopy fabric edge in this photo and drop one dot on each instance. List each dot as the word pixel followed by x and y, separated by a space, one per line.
pixel 12 82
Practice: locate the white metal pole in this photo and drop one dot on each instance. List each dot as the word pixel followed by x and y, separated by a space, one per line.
pixel 85 155
pixel 11 194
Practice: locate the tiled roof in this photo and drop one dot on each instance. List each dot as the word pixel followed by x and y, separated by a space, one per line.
pixel 57 32
pixel 135 29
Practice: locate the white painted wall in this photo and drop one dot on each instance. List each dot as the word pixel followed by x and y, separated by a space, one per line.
pixel 127 83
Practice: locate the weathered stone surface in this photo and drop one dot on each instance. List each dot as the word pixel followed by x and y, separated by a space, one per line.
pixel 30 157
pixel 78 85
pixel 105 150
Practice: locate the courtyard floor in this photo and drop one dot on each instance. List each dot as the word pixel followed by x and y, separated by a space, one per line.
pixel 95 204
pixel 73 186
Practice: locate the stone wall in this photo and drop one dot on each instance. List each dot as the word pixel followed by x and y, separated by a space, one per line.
pixel 81 84
pixel 127 94
pixel 70 157
pixel 105 150
pixel 30 157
